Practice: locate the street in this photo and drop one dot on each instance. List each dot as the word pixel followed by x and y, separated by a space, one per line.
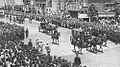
pixel 110 57
pixel 24 45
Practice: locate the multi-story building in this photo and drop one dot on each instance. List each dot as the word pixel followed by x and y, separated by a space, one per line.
pixel 106 8
pixel 52 7
pixel 74 7
pixel 41 4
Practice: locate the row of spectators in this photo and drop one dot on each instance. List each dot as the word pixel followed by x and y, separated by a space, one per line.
pixel 109 27
pixel 14 53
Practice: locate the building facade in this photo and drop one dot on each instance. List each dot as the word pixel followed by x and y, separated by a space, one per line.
pixel 74 7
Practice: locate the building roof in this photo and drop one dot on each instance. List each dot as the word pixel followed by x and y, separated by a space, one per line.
pixel 40 0
pixel 100 1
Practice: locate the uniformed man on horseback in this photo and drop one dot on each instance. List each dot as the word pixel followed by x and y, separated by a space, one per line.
pixel 100 42
pixel 94 44
pixel 104 39
pixel 79 43
pixel 55 36
pixel 73 42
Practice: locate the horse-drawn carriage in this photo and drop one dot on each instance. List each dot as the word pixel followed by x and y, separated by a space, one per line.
pixel 46 27
pixel 77 37
pixel 83 38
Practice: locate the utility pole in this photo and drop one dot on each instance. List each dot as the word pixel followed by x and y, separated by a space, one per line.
pixel 5 9
pixel 13 4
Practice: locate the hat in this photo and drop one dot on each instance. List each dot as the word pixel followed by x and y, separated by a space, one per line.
pixel 37 39
pixel 40 41
pixel 47 43
pixel 93 36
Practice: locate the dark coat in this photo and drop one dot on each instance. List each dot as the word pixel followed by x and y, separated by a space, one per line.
pixel 77 60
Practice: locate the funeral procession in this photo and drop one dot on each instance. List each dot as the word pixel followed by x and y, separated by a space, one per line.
pixel 59 33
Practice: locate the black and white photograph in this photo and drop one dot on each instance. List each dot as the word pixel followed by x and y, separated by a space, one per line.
pixel 59 33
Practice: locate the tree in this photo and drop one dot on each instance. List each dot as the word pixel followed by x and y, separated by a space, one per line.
pixel 92 12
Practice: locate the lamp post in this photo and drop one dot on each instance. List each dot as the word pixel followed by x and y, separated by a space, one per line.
pixel 5 7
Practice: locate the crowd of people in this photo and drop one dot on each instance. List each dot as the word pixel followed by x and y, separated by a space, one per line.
pixel 105 26
pixel 15 53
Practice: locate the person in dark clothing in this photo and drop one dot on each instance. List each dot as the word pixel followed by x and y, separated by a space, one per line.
pixel 49 59
pixel 27 32
pixel 77 61
pixel 10 18
pixel 30 43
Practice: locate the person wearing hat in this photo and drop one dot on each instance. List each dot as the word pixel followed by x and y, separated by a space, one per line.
pixel 77 61
pixel 104 38
pixel 40 46
pixel 37 42
pixel 27 32
pixel 30 44
pixel 47 47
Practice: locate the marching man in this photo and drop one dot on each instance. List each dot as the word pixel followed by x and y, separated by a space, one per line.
pixel 37 42
pixel 47 47
pixel 39 45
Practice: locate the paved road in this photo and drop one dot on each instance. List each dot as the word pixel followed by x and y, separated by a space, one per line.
pixel 110 57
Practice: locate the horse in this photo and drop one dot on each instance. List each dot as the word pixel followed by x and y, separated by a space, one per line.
pixel 73 42
pixel 105 39
pixel 76 41
pixel 92 44
pixel 79 43
pixel 100 43
pixel 55 37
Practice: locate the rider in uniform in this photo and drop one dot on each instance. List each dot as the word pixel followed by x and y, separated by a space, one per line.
pixel 55 35
pixel 104 38
pixel 73 42
pixel 79 44
pixel 99 42
pixel 93 42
